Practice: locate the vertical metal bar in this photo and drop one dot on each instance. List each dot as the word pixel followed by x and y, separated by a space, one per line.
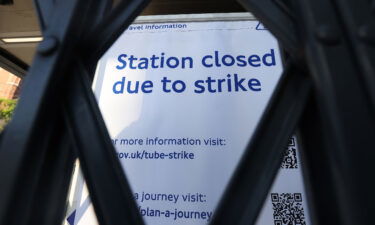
pixel 44 9
pixel 318 168
pixel 23 146
pixel 257 169
pixel 50 197
pixel 345 110
pixel 359 23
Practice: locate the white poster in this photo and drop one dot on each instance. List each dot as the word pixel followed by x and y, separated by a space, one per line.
pixel 181 101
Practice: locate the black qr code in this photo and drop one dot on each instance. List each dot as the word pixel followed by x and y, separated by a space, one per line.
pixel 287 209
pixel 292 142
pixel 290 156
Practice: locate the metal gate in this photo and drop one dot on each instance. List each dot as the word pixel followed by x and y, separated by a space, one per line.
pixel 326 93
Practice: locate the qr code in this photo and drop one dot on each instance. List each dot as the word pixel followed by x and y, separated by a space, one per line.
pixel 290 156
pixel 287 209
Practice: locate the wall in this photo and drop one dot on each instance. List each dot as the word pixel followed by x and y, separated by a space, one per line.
pixel 9 85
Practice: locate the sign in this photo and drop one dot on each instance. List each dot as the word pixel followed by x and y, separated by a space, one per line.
pixel 181 101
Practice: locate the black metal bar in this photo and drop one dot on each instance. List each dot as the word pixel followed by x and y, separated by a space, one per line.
pixel 44 9
pixel 276 20
pixel 109 191
pixel 23 145
pixel 12 64
pixel 98 9
pixel 255 173
pixel 107 32
pixel 358 18
pixel 19 202
pixel 40 98
pixel 345 110
pixel 317 168
pixel 51 194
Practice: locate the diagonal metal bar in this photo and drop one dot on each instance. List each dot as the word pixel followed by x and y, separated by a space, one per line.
pixel 45 10
pixel 257 169
pixel 276 20
pixel 99 11
pixel 106 32
pixel 110 193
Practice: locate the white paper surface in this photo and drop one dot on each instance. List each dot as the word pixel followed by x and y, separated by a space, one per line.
pixel 179 146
